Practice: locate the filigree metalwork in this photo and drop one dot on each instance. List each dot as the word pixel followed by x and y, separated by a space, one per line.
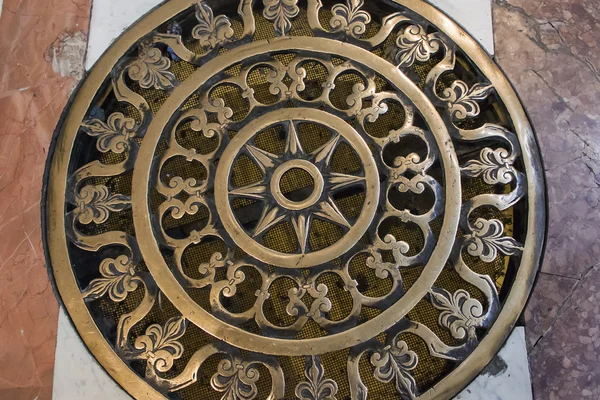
pixel 114 134
pixel 236 380
pixel 488 239
pixel 211 31
pixel 297 194
pixel 95 204
pixel 118 279
pixel 460 313
pixel 494 166
pixel 316 387
pixel 393 364
pixel 350 18
pixel 415 45
pixel 281 13
pixel 463 101
pixel 160 344
pixel 151 69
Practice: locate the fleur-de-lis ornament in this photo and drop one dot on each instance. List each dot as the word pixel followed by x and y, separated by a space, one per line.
pixel 494 166
pixel 236 379
pixel 394 363
pixel 95 203
pixel 463 101
pixel 414 44
pixel 488 238
pixel 151 69
pixel 117 280
pixel 350 18
pixel 459 312
pixel 281 13
pixel 160 344
pixel 211 31
pixel 113 135
pixel 316 387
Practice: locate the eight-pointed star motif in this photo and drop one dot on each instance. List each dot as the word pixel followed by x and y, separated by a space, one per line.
pixel 273 212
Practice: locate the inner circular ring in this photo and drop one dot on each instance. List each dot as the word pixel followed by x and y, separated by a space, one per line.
pixel 314 173
pixel 296 260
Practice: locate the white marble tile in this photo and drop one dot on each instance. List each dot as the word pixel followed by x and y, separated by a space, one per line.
pixel 473 15
pixel 77 375
pixel 109 19
pixel 507 377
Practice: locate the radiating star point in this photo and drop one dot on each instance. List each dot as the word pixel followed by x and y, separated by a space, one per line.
pixel 330 212
pixel 270 217
pixel 339 180
pixel 256 191
pixel 264 159
pixel 302 227
pixel 325 152
pixel 292 144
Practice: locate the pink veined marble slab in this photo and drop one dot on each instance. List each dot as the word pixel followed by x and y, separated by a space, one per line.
pixel 37 39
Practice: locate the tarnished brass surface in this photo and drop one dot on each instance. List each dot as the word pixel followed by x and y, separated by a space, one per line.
pixel 288 199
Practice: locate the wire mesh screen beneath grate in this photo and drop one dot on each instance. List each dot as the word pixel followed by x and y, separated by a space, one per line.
pixel 283 199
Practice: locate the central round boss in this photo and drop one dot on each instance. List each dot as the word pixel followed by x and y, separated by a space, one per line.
pixel 289 167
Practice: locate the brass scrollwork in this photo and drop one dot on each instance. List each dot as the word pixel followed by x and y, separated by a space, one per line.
pixel 227 268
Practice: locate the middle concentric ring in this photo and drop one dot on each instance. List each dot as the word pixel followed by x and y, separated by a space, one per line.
pixel 148 230
pixel 317 203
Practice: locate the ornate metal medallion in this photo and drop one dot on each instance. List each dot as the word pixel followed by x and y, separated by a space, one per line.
pixel 294 200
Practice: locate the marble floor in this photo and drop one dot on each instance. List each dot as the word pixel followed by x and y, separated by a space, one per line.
pixel 548 48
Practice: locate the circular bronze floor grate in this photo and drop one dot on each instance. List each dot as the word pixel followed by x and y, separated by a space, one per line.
pixel 294 200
